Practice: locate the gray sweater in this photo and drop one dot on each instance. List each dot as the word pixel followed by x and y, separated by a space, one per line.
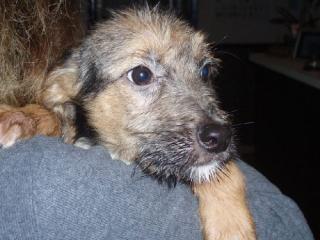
pixel 51 190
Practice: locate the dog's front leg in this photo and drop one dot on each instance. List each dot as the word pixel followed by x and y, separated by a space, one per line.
pixel 223 207
pixel 17 123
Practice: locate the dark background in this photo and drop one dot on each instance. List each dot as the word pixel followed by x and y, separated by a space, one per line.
pixel 278 118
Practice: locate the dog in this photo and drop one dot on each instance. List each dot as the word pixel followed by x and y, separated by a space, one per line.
pixel 139 84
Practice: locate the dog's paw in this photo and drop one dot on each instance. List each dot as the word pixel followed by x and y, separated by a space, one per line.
pixel 15 126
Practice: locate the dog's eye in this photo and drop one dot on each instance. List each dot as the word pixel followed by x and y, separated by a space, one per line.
pixel 205 71
pixel 140 75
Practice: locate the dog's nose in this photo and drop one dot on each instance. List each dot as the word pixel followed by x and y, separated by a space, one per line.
pixel 214 138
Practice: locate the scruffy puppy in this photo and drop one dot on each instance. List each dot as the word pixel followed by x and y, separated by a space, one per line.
pixel 139 85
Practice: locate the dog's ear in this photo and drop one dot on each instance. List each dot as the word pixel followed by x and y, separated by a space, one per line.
pixel 61 85
pixel 60 88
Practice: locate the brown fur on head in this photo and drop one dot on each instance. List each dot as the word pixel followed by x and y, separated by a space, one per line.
pixel 34 34
pixel 153 123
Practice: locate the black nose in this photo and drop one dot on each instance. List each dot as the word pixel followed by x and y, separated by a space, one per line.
pixel 214 138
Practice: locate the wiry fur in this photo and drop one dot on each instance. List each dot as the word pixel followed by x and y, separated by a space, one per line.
pixel 154 125
pixel 136 123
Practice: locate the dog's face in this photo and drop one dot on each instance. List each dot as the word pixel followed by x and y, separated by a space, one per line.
pixel 145 88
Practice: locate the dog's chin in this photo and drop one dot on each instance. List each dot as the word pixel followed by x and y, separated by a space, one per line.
pixel 209 170
pixel 204 169
pixel 182 161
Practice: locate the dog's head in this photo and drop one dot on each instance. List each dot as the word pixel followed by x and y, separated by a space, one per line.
pixel 145 89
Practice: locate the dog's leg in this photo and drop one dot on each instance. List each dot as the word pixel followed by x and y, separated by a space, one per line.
pixel 223 208
pixel 26 122
pixel 54 119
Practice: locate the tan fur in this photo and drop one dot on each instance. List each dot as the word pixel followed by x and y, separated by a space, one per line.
pixel 122 111
pixel 58 90
pixel 119 104
pixel 223 207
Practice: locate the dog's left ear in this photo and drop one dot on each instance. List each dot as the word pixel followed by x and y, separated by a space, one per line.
pixel 60 88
